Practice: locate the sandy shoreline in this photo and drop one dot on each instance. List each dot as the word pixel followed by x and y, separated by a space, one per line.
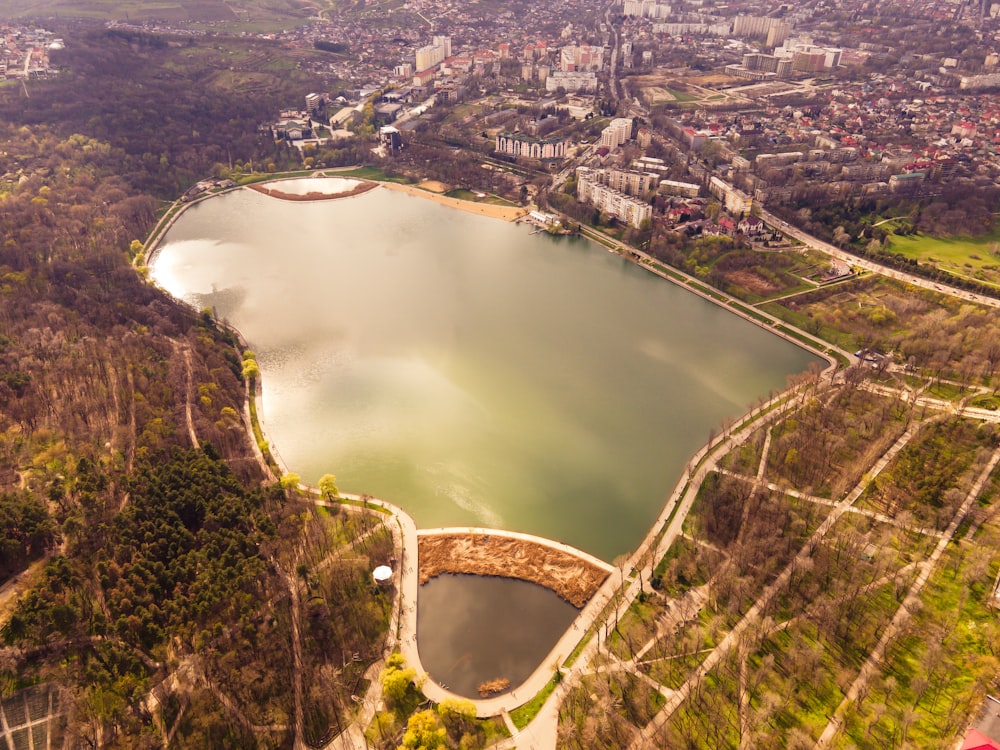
pixel 505 213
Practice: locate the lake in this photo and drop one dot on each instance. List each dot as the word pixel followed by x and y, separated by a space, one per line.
pixel 468 369
pixel 471 629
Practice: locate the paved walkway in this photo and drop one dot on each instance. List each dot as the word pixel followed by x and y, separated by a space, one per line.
pixel 619 591
pixel 910 604
pixel 609 604
pixel 538 679
pixel 403 634
pixel 732 639
pixel 402 622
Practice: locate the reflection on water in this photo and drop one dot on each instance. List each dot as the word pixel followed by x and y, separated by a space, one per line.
pixel 465 369
pixel 471 629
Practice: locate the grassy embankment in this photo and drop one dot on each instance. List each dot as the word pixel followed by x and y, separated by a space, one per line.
pixel 967 257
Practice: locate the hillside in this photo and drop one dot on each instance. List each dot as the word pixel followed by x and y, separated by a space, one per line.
pixel 174 589
pixel 247 13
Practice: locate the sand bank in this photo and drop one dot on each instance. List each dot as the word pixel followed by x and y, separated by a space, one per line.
pixel 505 213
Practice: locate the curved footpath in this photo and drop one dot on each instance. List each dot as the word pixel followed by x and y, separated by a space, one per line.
pixel 402 633
pixel 403 624
pixel 617 593
pixel 610 603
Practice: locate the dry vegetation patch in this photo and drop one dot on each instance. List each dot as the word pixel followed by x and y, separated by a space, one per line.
pixel 361 187
pixel 572 578
pixel 434 186
pixel 753 282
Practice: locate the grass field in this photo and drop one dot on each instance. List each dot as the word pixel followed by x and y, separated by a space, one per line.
pixel 468 195
pixel 970 257
pixel 270 14
pixel 682 96
pixel 367 173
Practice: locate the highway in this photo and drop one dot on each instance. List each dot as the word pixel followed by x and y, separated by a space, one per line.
pixel 613 82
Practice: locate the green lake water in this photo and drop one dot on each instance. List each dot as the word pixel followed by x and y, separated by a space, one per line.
pixel 466 369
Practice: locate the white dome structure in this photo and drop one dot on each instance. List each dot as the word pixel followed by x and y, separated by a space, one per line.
pixel 382 575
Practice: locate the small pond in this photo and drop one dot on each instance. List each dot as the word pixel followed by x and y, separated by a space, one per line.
pixel 471 629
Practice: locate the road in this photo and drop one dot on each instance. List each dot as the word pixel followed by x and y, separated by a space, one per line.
pixel 853 260
pixel 415 111
pixel 614 84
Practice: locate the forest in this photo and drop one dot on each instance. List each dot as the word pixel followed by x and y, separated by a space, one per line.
pixel 153 540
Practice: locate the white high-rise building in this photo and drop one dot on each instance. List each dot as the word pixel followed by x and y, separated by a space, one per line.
pixel 581 58
pixel 617 133
pixel 313 102
pixel 645 9
pixel 433 54
pixel 592 188
pixel 444 42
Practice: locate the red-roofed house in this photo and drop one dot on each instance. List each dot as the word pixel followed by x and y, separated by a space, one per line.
pixel 976 740
pixel 751 225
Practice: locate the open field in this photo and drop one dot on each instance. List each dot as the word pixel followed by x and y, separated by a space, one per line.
pixel 505 212
pixel 710 79
pixel 270 13
pixel 657 89
pixel 434 186
pixel 969 257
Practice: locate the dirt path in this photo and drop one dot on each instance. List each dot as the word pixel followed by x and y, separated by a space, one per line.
pixel 185 351
pixel 867 512
pixel 910 604
pixel 11 590
pixel 733 639
pixel 300 723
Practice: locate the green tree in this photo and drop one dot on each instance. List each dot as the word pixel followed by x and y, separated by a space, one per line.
pixel 250 369
pixel 424 732
pixel 328 486
pixel 397 679
pixel 458 715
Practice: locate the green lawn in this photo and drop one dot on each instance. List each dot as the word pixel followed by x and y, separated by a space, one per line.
pixel 463 194
pixel 469 195
pixel 970 257
pixel 522 716
pixel 682 96
pixel 249 15
pixel 367 173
